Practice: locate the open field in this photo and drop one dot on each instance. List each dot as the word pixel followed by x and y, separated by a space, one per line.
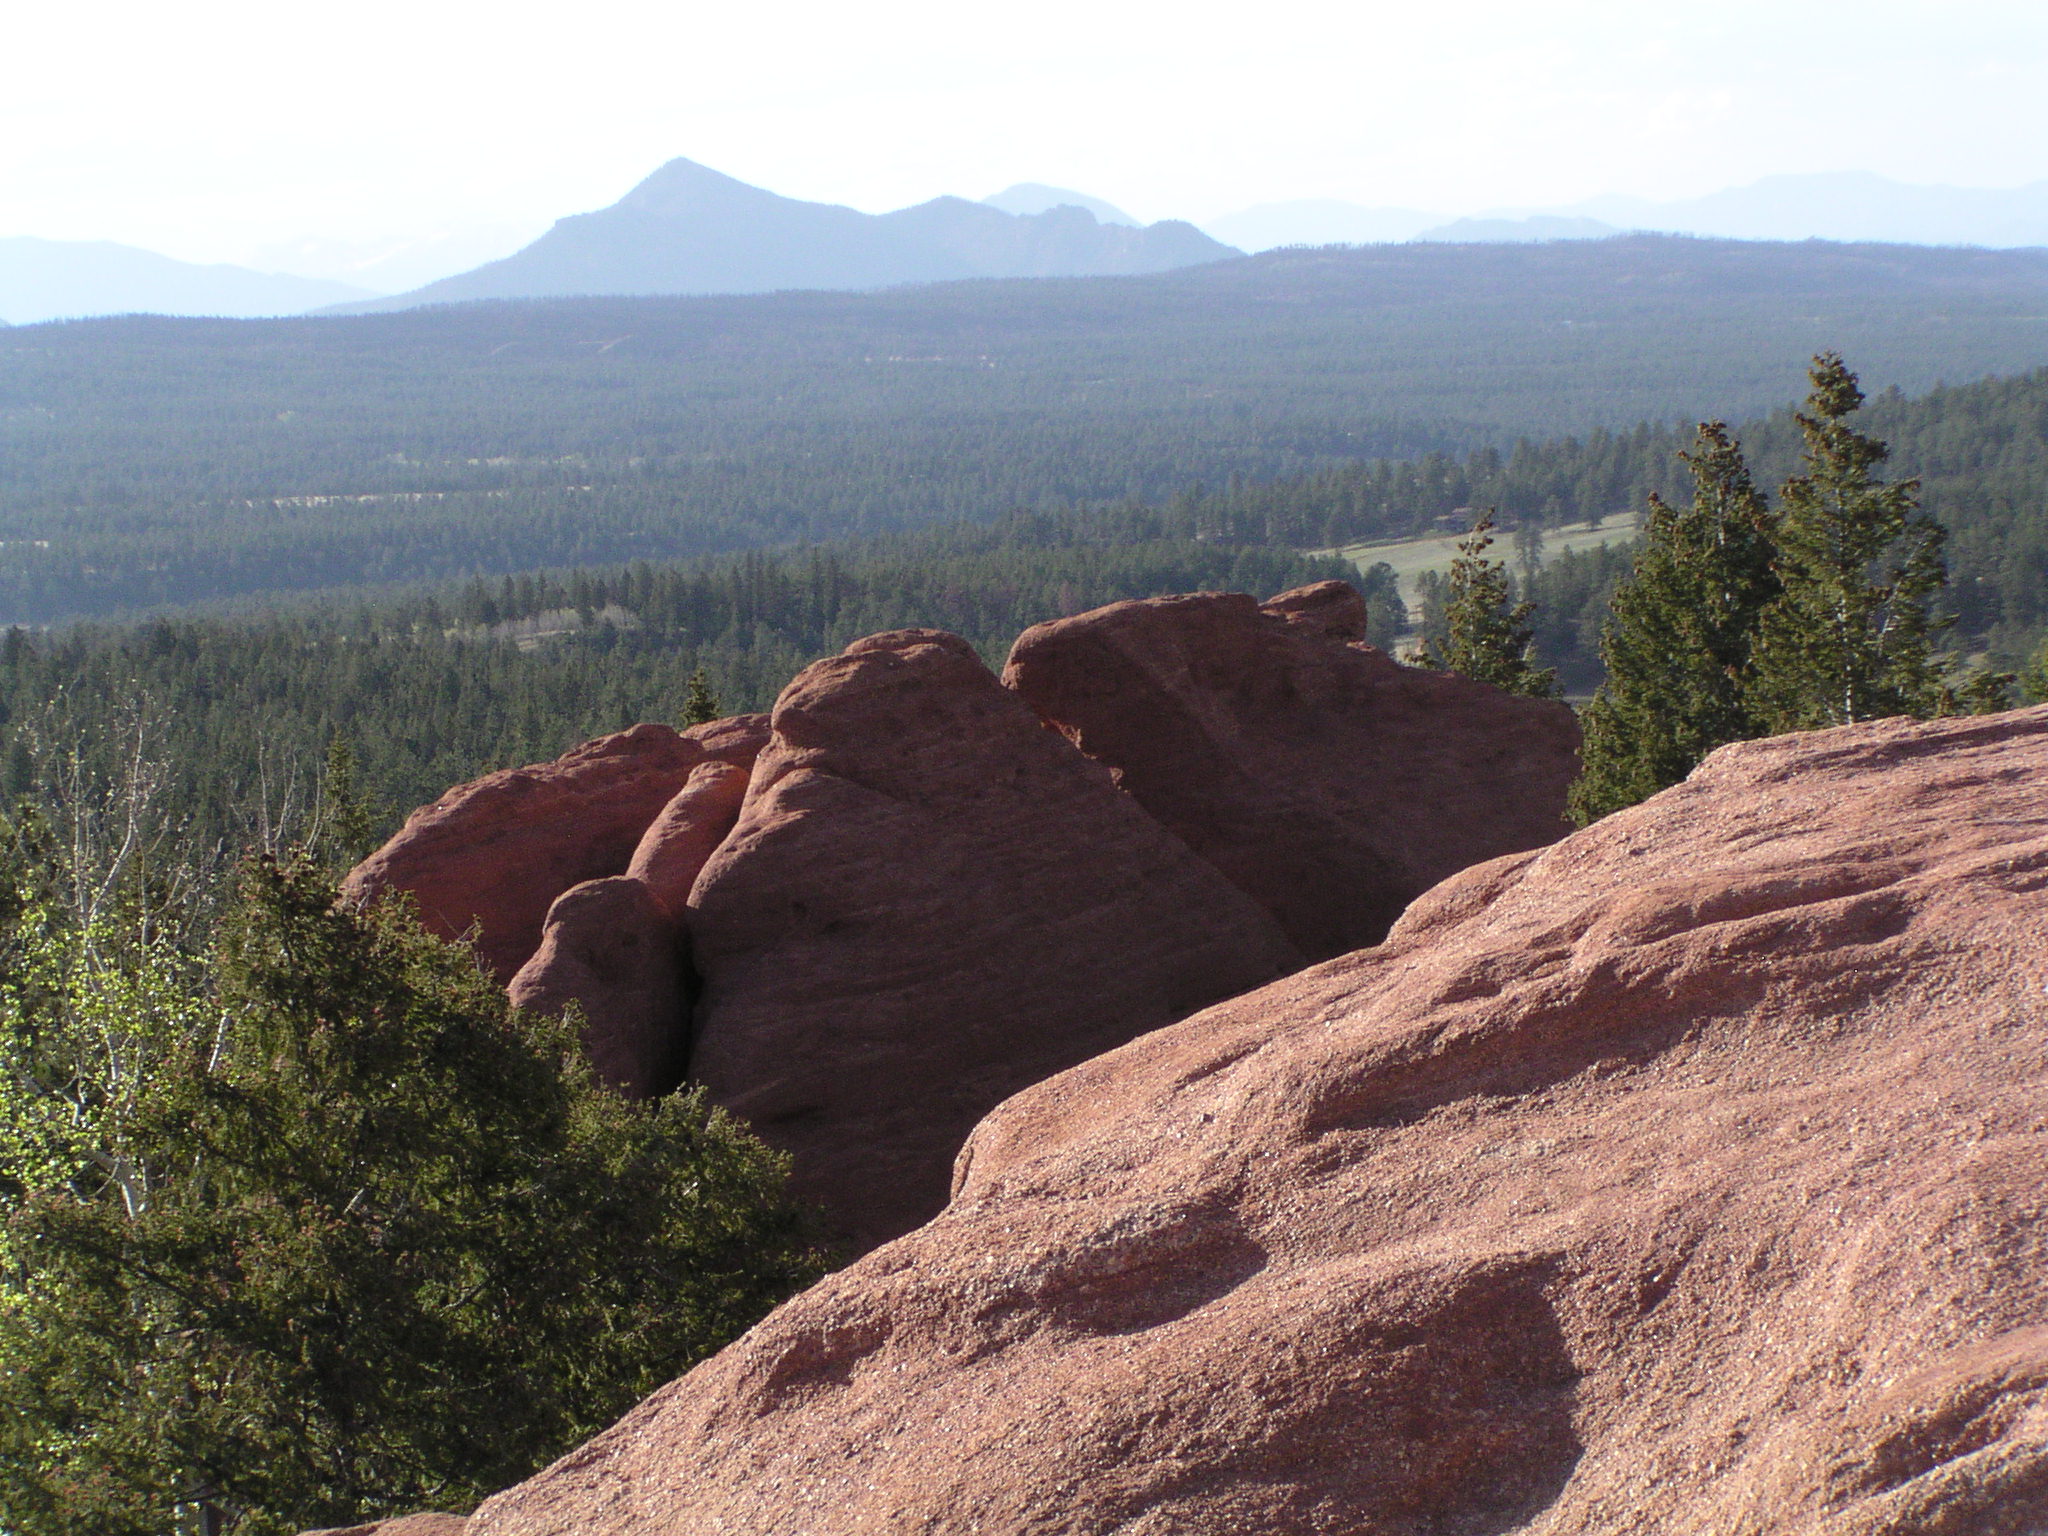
pixel 1411 557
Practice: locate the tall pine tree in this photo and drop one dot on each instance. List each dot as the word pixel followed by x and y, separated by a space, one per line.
pixel 701 707
pixel 1487 633
pixel 1677 641
pixel 1850 636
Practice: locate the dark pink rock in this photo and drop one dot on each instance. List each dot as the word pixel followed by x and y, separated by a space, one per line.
pixel 1323 778
pixel 610 949
pixel 492 855
pixel 673 851
pixel 929 902
pixel 1687 1177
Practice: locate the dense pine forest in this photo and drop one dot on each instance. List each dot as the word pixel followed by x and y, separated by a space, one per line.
pixel 232 719
pixel 432 684
pixel 458 538
pixel 146 462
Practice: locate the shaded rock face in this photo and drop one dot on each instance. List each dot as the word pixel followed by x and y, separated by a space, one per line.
pixel 1327 781
pixel 1687 1177
pixel 410 1525
pixel 610 949
pixel 928 902
pixel 492 855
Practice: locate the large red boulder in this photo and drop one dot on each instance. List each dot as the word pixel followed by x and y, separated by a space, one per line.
pixel 674 849
pixel 490 857
pixel 611 951
pixel 928 902
pixel 1689 1176
pixel 1326 780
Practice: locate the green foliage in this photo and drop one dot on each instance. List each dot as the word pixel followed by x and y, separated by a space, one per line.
pixel 341 1238
pixel 1676 644
pixel 2033 681
pixel 700 705
pixel 346 822
pixel 1850 635
pixel 433 687
pixel 1487 635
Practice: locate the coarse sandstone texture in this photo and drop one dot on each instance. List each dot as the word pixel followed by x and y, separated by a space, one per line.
pixel 1687 1177
pixel 610 950
pixel 1326 780
pixel 929 902
pixel 492 855
pixel 409 1525
pixel 674 849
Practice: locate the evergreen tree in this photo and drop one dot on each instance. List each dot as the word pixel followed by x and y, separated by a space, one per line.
pixel 1849 636
pixel 1487 633
pixel 345 815
pixel 2033 679
pixel 701 706
pixel 1676 643
pixel 361 1241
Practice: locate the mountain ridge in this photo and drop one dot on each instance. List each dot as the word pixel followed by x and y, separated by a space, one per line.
pixel 85 279
pixel 1857 207
pixel 688 229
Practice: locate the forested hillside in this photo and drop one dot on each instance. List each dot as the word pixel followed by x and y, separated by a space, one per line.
pixel 1980 451
pixel 231 719
pixel 437 683
pixel 146 462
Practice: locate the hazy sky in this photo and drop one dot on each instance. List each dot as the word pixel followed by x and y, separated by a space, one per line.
pixel 215 128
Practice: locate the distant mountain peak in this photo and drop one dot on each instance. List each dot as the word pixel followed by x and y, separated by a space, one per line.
pixel 690 229
pixel 680 187
pixel 1028 198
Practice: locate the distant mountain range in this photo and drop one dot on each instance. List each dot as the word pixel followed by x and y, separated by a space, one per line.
pixel 1029 197
pixel 76 279
pixel 1846 205
pixel 688 229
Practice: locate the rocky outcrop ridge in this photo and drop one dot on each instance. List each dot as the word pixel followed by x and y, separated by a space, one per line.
pixel 1684 1177
pixel 929 902
pixel 1327 781
pixel 865 920
pixel 490 857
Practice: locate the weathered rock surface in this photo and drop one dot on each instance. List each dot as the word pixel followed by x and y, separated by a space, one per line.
pixel 611 950
pixel 1323 778
pixel 492 855
pixel 410 1525
pixel 928 902
pixel 673 851
pixel 1688 1177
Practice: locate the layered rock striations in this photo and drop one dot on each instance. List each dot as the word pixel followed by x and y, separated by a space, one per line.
pixel 929 902
pixel 1687 1177
pixel 1326 780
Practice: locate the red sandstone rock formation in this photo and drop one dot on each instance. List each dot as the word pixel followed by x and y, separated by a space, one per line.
pixel 1323 778
pixel 1688 1177
pixel 610 949
pixel 675 848
pixel 929 902
pixel 492 855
